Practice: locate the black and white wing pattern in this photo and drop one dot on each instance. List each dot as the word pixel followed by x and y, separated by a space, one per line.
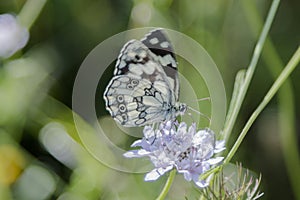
pixel 145 86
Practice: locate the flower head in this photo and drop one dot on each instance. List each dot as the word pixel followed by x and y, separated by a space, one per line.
pixel 13 36
pixel 174 145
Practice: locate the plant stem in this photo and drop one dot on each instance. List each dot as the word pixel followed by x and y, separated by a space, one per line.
pixel 286 103
pixel 30 12
pixel 242 89
pixel 249 73
pixel 275 87
pixel 167 186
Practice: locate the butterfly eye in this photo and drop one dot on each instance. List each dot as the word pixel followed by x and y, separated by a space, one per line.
pixel 182 108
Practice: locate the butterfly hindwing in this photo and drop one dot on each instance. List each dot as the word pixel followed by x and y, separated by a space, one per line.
pixel 136 102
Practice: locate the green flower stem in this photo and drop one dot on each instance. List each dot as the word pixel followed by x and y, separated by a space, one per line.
pixel 241 86
pixel 286 102
pixel 249 73
pixel 30 12
pixel 202 197
pixel 213 170
pixel 167 186
pixel 275 87
pixel 238 83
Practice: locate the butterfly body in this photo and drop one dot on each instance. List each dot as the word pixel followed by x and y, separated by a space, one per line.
pixel 145 86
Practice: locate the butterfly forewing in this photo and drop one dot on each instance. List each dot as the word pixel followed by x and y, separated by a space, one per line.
pixel 134 102
pixel 159 44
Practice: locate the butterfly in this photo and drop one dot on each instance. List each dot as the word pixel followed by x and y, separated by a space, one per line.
pixel 145 87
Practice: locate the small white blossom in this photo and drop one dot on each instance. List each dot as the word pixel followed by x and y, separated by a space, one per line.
pixel 175 145
pixel 13 36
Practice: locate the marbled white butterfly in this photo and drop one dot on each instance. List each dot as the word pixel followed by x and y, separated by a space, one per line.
pixel 145 86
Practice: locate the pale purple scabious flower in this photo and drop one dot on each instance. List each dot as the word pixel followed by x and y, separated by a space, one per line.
pixel 177 146
pixel 13 36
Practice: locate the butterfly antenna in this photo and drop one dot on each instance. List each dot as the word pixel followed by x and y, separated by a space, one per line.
pixel 201 114
pixel 191 116
pixel 203 99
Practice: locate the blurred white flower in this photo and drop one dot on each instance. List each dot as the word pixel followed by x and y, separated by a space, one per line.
pixel 13 36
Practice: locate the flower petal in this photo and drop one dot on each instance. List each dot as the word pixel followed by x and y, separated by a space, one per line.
pixel 219 146
pixel 156 173
pixel 136 153
pixel 137 143
pixel 214 161
pixel 201 184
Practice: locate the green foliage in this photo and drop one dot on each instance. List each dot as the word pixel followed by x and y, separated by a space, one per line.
pixel 42 156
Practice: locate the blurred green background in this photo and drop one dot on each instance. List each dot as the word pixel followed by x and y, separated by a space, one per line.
pixel 38 158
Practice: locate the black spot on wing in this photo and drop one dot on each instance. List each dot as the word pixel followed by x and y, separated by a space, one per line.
pixel 123 70
pixel 133 52
pixel 157 48
pixel 171 71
